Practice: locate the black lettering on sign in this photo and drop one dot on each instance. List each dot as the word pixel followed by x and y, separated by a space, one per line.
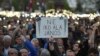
pixel 51 21
pixel 47 27
pixel 52 33
pixel 56 27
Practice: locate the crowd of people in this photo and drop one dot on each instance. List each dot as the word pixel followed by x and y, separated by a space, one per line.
pixel 18 38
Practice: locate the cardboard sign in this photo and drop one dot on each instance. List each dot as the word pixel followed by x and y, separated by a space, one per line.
pixel 56 27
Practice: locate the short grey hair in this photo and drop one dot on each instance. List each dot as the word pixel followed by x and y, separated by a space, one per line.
pixel 7 37
pixel 13 50
pixel 23 49
pixel 44 52
pixel 34 39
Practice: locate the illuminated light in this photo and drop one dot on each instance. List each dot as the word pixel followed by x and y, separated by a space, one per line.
pixel 18 14
pixel 74 16
pixel 51 10
pixel 24 24
pixel 98 23
pixel 0 19
pixel 23 15
pixel 77 18
pixel 59 15
pixel 76 23
pixel 78 41
pixel 9 14
pixel 4 18
pixel 17 21
pixel 26 15
pixel 49 15
pixel 5 26
pixel 9 26
pixel 91 17
pixel 65 12
pixel 30 19
pixel 33 14
pixel 27 19
pixel 99 47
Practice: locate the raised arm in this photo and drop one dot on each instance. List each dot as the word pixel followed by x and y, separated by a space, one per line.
pixel 30 46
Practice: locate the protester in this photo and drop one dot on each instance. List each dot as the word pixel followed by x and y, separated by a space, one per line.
pixel 24 52
pixel 44 52
pixel 12 52
pixel 32 47
pixel 19 43
pixel 93 52
pixel 76 49
pixel 7 44
pixel 1 50
pixel 20 38
pixel 61 51
pixel 70 53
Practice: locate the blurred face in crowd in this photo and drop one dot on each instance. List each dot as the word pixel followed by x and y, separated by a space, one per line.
pixel 7 43
pixel 44 52
pixel 82 28
pixel 23 31
pixel 1 49
pixel 24 52
pixel 76 47
pixel 35 42
pixel 59 42
pixel 1 32
pixel 70 53
pixel 28 37
pixel 12 52
pixel 10 32
pixel 18 40
pixel 60 48
pixel 89 31
pixel 92 54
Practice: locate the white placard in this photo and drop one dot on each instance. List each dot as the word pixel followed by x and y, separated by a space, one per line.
pixel 56 27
